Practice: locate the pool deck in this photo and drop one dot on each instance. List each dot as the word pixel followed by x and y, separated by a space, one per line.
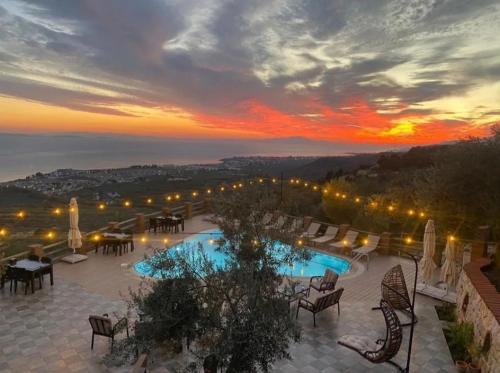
pixel 49 331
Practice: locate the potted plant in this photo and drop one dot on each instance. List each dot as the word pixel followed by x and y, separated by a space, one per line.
pixel 460 339
pixel 475 354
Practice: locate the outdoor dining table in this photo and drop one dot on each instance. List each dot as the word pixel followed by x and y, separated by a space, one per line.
pixel 34 268
pixel 115 240
pixel 176 221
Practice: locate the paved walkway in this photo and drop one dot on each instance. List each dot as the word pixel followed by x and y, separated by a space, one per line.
pixel 49 331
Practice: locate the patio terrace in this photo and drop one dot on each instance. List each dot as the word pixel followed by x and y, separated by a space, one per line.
pixel 49 331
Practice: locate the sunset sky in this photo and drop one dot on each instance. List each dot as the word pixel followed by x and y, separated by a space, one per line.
pixel 354 72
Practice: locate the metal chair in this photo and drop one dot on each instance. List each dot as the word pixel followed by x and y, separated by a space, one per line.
pixel 381 350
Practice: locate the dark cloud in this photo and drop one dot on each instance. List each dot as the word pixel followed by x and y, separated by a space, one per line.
pixel 210 57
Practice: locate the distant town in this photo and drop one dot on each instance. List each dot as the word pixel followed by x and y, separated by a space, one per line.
pixel 63 181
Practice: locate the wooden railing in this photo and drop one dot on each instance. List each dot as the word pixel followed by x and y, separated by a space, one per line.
pixel 198 208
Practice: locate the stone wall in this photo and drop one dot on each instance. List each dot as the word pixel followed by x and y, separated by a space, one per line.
pixel 478 302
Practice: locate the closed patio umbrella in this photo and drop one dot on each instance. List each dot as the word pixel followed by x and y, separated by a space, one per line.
pixel 74 235
pixel 427 265
pixel 449 268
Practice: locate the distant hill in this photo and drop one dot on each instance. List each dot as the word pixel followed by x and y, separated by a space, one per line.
pixel 320 167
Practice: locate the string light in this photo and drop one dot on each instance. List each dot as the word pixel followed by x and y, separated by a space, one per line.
pixel 126 203
pixel 315 187
pixel 451 238
pixel 390 208
pixel 96 237
pixel 222 189
pixel 274 180
pixel 211 241
pixel 240 185
pixel 50 235
pixel 177 196
pixel 57 211
pixel 422 214
pixel 337 194
pixel 300 242
pixel 411 212
pixel 345 242
pixel 344 196
pixel 357 200
pixel 195 194
pixel 261 181
pixel 21 214
pixel 101 206
pixel 365 241
pixel 255 242
pixel 235 186
pixel 165 241
pixel 408 240
pixel 325 191
pixel 169 198
pixel 306 184
pixel 149 201
pixel 3 232
pixel 209 191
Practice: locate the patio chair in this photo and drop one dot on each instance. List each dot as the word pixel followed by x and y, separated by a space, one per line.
pixel 330 234
pixel 34 257
pixel 327 282
pixel 347 242
pixel 312 230
pixel 153 225
pixel 381 350
pixel 395 292
pixel 21 275
pixel 365 250
pixel 101 325
pixel 321 303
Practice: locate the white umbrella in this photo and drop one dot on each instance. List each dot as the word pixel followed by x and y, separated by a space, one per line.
pixel 427 265
pixel 449 268
pixel 74 235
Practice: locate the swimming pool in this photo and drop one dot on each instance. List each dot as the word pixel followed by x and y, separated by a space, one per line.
pixel 315 266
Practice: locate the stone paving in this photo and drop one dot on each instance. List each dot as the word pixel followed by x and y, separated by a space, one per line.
pixel 49 331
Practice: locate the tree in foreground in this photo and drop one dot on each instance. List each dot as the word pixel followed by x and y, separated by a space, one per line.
pixel 231 316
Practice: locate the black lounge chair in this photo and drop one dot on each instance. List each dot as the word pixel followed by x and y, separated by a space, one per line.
pixel 321 303
pixel 395 292
pixel 382 350
pixel 101 325
pixel 323 283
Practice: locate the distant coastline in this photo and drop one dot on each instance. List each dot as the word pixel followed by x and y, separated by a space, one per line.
pixel 22 155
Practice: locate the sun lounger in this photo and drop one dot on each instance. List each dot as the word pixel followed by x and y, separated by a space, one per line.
pixel 278 224
pixel 347 241
pixel 267 218
pixel 312 230
pixel 369 245
pixel 296 225
pixel 329 235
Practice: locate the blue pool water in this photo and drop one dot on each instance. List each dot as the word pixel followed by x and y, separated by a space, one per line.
pixel 315 266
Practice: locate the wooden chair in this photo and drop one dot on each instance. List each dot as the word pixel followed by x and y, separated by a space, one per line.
pixel 327 282
pixel 101 325
pixel 321 303
pixel 382 350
